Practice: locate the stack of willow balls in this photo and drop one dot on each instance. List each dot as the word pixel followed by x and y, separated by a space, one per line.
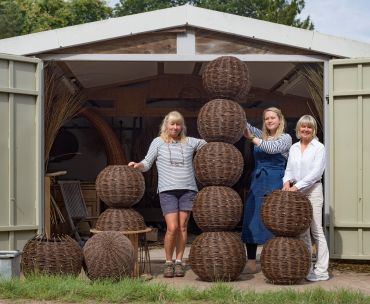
pixel 218 253
pixel 110 254
pixel 285 258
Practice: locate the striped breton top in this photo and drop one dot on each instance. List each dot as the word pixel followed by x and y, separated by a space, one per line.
pixel 174 163
pixel 270 146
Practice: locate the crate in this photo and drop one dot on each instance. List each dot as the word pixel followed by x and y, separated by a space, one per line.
pixel 10 264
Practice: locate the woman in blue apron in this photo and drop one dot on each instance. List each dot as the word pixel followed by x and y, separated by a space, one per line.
pixel 271 147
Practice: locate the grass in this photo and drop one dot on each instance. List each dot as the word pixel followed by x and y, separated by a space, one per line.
pixel 69 289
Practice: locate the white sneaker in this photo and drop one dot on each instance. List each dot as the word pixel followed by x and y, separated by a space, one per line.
pixel 313 277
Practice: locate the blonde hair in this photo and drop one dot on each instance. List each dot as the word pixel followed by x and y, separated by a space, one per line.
pixel 309 121
pixel 174 116
pixel 280 130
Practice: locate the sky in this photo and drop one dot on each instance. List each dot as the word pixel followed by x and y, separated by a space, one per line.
pixel 343 18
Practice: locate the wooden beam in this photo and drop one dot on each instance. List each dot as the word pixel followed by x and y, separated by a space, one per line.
pixel 69 74
pixel 197 68
pixel 160 68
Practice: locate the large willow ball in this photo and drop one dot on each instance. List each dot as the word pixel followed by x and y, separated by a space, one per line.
pixel 286 213
pixel 285 260
pixel 120 186
pixel 120 219
pixel 108 255
pixel 226 77
pixel 217 256
pixel 221 120
pixel 218 164
pixel 217 208
pixel 59 255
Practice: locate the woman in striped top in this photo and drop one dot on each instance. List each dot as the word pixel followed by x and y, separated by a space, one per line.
pixel 173 153
pixel 271 147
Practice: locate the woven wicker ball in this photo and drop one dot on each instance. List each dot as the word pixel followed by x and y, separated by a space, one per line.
pixel 217 256
pixel 218 164
pixel 120 186
pixel 286 213
pixel 58 255
pixel 217 208
pixel 108 255
pixel 285 260
pixel 226 77
pixel 120 219
pixel 221 120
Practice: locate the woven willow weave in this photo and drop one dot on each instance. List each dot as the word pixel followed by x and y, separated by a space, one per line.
pixel 217 256
pixel 120 219
pixel 120 186
pixel 221 120
pixel 108 255
pixel 59 255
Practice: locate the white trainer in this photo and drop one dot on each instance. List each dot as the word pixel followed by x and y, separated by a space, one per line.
pixel 313 277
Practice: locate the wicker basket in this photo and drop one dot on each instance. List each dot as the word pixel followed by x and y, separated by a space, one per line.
pixel 286 213
pixel 108 255
pixel 226 77
pixel 58 255
pixel 122 219
pixel 218 164
pixel 120 186
pixel 217 256
pixel 221 120
pixel 285 260
pixel 217 208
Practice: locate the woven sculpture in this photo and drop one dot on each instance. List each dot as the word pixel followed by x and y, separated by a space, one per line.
pixel 120 186
pixel 122 219
pixel 217 256
pixel 226 77
pixel 218 164
pixel 221 120
pixel 286 213
pixel 285 260
pixel 217 208
pixel 52 256
pixel 108 255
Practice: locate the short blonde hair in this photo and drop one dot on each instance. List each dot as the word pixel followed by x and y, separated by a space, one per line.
pixel 174 116
pixel 280 130
pixel 306 120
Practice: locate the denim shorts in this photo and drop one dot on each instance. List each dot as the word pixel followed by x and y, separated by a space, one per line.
pixel 174 201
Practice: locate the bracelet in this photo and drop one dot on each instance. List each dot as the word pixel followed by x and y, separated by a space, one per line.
pixel 252 137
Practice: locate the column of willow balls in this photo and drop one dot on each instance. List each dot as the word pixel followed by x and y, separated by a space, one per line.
pixel 285 258
pixel 218 253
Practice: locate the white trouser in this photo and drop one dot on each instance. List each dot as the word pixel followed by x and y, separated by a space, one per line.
pixel 315 195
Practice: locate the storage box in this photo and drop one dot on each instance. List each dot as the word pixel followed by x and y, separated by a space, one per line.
pixel 152 236
pixel 10 264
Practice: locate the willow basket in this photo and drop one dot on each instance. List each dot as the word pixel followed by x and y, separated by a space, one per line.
pixel 286 213
pixel 217 256
pixel 58 255
pixel 218 164
pixel 122 219
pixel 120 186
pixel 285 260
pixel 217 208
pixel 108 255
pixel 226 77
pixel 221 120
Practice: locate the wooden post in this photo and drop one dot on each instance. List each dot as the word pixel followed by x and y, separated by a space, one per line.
pixel 47 228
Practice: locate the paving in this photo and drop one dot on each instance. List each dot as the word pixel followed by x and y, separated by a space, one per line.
pixel 256 282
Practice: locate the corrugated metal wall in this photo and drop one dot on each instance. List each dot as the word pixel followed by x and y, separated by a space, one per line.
pixel 350 159
pixel 21 150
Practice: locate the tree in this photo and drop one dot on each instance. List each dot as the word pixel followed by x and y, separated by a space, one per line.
pixel 278 11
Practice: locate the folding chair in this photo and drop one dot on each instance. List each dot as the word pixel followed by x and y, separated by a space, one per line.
pixel 75 206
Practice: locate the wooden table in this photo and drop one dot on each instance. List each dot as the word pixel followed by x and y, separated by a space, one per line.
pixel 133 236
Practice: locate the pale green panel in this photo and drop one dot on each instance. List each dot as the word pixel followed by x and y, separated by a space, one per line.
pixel 25 75
pixel 345 159
pixel 366 242
pixel 4 159
pixel 345 78
pixel 346 241
pixel 366 159
pixel 25 160
pixel 366 76
pixel 21 238
pixel 4 73
pixel 4 240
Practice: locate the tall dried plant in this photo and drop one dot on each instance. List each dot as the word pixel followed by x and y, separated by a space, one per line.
pixel 314 77
pixel 62 103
